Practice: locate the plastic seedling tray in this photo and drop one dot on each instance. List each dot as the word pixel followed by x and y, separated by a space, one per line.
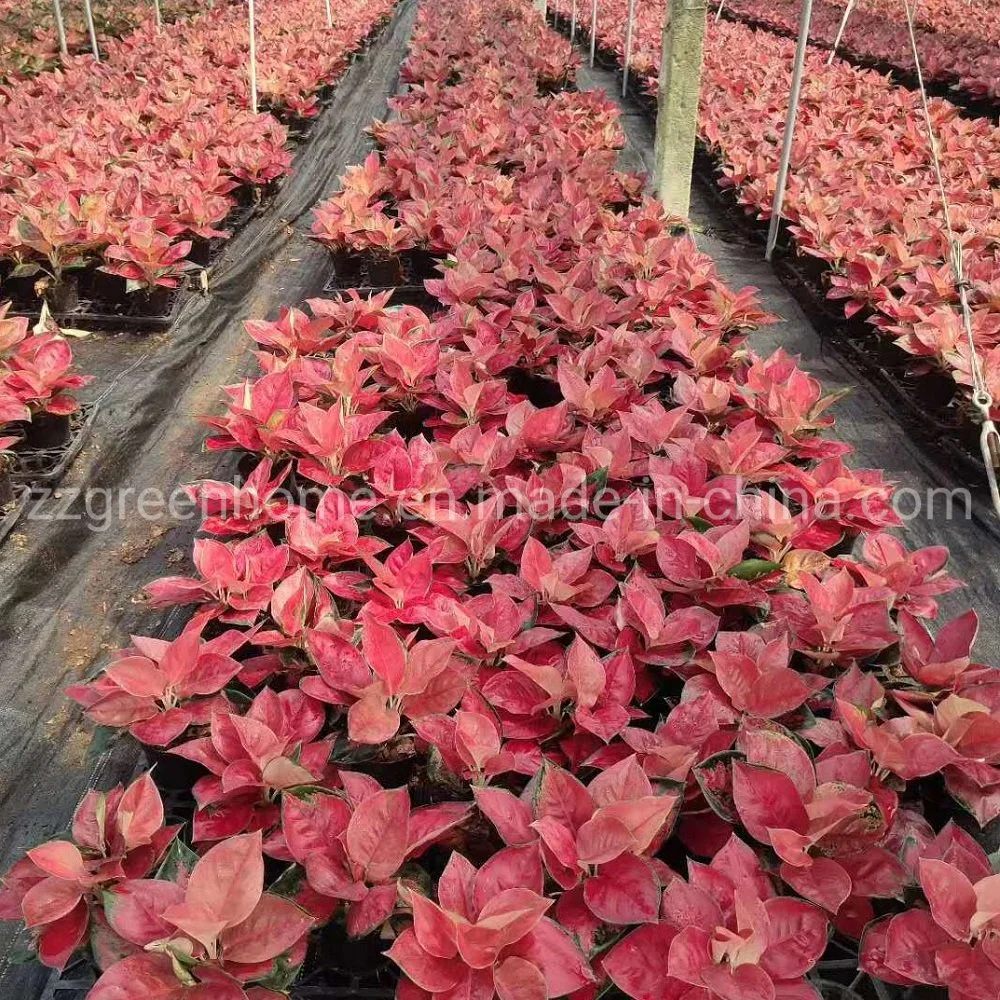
pixel 41 467
pixel 354 273
pixel 10 513
pixel 131 314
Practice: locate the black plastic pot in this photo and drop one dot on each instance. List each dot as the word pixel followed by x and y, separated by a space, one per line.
pixel 170 772
pixel 47 430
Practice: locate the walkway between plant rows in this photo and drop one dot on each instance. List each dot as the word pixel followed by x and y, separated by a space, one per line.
pixel 864 418
pixel 66 591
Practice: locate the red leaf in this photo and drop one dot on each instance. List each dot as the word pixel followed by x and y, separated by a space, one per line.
pixel 637 965
pixel 48 900
pixel 796 939
pixel 824 881
pixel 62 937
pixel 951 897
pixel 274 926
pixel 766 798
pixel 134 910
pixel 370 913
pixel 517 979
pixel 377 836
pixel 511 817
pixel 624 891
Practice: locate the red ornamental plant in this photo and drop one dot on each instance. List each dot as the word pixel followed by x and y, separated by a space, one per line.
pixel 723 934
pixel 385 680
pixel 236 579
pixel 253 758
pixel 117 836
pixel 603 835
pixel 147 259
pixel 595 694
pixel 954 942
pixel 205 935
pixel 353 844
pixel 158 689
pixel 825 822
pixel 488 936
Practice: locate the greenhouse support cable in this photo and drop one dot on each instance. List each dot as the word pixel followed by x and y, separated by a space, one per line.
pixel 89 11
pixel 593 33
pixel 982 399
pixel 840 31
pixel 628 47
pixel 60 27
pixel 786 142
pixel 253 56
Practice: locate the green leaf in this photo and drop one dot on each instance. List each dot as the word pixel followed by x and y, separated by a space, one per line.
pixel 281 976
pixel 180 860
pixel 753 569
pixel 26 270
pixel 289 882
pixel 598 478
pixel 698 523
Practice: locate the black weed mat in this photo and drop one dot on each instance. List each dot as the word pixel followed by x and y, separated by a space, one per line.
pixel 67 589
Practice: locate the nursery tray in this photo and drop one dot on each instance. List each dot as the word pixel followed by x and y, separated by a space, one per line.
pixel 353 274
pixel 402 295
pixel 41 467
pixel 10 515
pixel 94 315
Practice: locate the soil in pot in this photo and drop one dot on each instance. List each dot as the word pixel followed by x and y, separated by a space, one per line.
pixel 63 296
pixel 385 271
pixel 48 430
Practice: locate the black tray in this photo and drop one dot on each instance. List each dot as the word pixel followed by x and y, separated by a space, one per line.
pixel 87 315
pixel 42 467
pixel 10 515
pixel 351 272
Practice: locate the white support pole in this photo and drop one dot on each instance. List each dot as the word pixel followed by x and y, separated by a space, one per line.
pixel 840 30
pixel 628 47
pixel 572 26
pixel 60 27
pixel 329 14
pixel 793 110
pixel 253 57
pixel 718 13
pixel 89 11
pixel 593 33
pixel 159 13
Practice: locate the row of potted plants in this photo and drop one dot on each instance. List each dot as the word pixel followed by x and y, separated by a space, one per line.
pixel 548 639
pixel 29 40
pixel 862 196
pixel 957 41
pixel 37 382
pixel 142 155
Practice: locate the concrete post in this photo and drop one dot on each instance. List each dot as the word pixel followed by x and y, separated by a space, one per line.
pixel 677 111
